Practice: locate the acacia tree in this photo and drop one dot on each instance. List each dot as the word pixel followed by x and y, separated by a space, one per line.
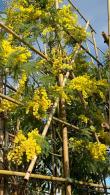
pixel 38 81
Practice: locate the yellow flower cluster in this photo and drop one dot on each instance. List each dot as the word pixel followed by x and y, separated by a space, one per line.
pixel 66 17
pixel 59 91
pixel 68 20
pixel 20 12
pixel 84 118
pixel 87 85
pixel 39 104
pixel 61 62
pixel 18 54
pixel 97 150
pixel 30 11
pixel 6 105
pixel 25 147
pixel 76 143
pixel 47 30
pixel 22 80
pixel 21 86
pixel 83 84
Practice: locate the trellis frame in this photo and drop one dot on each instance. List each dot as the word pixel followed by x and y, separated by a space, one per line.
pixel 51 116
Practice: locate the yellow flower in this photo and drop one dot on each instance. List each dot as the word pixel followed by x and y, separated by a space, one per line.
pixel 39 104
pixel 16 54
pixel 97 150
pixel 29 146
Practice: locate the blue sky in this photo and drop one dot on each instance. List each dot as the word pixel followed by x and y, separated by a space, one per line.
pixel 96 12
pixel 1 5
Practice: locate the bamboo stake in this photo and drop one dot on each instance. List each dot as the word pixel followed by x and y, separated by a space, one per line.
pixel 35 176
pixel 5 142
pixel 33 161
pixel 10 99
pixel 51 178
pixel 2 182
pixel 54 171
pixel 90 184
pixel 66 123
pixel 89 51
pixel 65 139
pixel 96 52
pixel 95 45
pixel 57 4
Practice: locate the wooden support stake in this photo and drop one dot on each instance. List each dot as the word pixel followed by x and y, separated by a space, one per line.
pixel 66 123
pixel 57 4
pixel 10 99
pixel 95 45
pixel 54 170
pixel 65 139
pixel 51 178
pixel 89 51
pixel 2 181
pixel 96 52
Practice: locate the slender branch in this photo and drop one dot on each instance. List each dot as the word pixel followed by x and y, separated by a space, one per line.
pixel 10 87
pixel 58 155
pixel 58 133
pixel 66 123
pixel 22 40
